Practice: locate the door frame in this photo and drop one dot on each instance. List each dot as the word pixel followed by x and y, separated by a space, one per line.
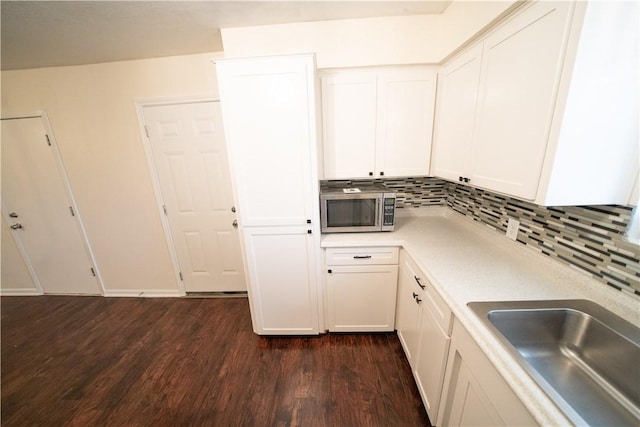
pixel 68 190
pixel 140 105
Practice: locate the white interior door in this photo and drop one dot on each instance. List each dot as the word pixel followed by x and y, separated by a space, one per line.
pixel 189 152
pixel 39 209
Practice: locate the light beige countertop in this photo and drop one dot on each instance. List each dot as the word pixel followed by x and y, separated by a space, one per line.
pixel 467 261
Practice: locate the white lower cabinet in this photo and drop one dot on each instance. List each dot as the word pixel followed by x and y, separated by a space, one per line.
pixel 474 392
pixel 281 262
pixel 432 358
pixel 459 386
pixel 408 311
pixel 361 288
pixel 423 323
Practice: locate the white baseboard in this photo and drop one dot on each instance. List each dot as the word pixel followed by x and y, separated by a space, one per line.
pixel 141 293
pixel 19 292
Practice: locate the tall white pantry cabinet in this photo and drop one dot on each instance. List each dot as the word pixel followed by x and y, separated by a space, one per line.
pixel 269 115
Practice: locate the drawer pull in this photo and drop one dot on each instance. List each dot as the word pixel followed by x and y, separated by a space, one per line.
pixel 418 281
pixel 361 256
pixel 414 295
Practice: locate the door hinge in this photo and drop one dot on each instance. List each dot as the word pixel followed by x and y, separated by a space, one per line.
pixel 146 131
pixel 93 272
pixel 180 274
pixel 164 209
pixel 48 140
pixel 72 212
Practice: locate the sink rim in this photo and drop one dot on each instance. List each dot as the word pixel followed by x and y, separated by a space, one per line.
pixel 612 321
pixel 607 318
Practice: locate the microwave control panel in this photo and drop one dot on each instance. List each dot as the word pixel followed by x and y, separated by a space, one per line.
pixel 389 211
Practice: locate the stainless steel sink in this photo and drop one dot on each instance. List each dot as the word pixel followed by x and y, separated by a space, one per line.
pixel 584 357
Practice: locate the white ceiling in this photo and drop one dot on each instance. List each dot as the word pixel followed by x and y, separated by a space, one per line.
pixel 54 33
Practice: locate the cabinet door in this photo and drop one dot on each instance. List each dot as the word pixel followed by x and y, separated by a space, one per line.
pixel 458 84
pixel 432 359
pixel 468 404
pixel 268 111
pixel 521 66
pixel 408 311
pixel 406 101
pixel 362 298
pixel 474 392
pixel 281 263
pixel 349 124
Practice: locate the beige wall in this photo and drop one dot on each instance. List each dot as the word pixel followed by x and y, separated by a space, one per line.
pixel 421 39
pixel 92 111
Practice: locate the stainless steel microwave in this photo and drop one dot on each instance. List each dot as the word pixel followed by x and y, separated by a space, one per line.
pixel 357 209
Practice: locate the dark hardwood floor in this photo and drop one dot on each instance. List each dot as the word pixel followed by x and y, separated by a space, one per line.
pixel 152 362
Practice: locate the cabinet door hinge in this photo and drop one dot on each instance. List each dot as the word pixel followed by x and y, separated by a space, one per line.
pixel 180 274
pixel 93 272
pixel 146 131
pixel 72 212
pixel 164 209
pixel 48 140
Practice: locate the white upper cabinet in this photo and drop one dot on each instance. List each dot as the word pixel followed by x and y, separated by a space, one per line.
pixel 520 69
pixel 349 123
pixel 593 151
pixel 377 122
pixel 406 103
pixel 455 115
pixel 552 117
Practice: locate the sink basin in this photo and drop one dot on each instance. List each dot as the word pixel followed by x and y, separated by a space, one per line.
pixel 584 357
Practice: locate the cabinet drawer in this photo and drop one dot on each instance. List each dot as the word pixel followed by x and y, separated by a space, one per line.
pixel 434 301
pixel 362 256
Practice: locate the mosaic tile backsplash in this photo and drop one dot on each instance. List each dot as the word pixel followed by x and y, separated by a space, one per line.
pixel 412 192
pixel 589 238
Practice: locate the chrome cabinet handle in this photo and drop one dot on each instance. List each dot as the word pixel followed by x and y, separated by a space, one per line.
pixel 16 226
pixel 233 209
pixel 361 256
pixel 235 223
pixel 13 215
pixel 418 281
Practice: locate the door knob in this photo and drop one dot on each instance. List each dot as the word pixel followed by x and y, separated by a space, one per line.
pixel 16 226
pixel 13 215
pixel 235 223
